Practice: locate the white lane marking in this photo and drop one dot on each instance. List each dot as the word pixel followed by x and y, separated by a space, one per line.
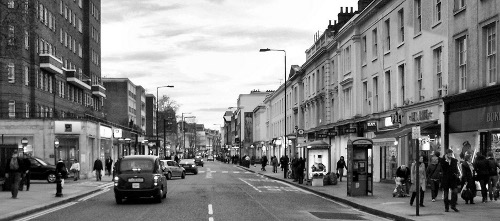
pixel 46 211
pixel 236 171
pixel 251 185
pixel 202 171
pixel 210 211
pixel 224 171
pixel 94 194
pixel 248 172
pixel 210 219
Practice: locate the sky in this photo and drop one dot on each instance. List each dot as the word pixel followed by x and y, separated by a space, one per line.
pixel 209 49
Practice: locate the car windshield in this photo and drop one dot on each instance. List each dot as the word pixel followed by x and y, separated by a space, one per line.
pixel 189 161
pixel 135 165
pixel 170 163
pixel 41 162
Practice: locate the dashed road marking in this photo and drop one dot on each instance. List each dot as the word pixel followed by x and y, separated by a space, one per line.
pixel 224 171
pixel 210 210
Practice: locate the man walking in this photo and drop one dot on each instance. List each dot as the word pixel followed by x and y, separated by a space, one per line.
pixel 25 175
pixel 285 166
pixel 13 173
pixel 98 169
pixel 449 166
pixel 108 164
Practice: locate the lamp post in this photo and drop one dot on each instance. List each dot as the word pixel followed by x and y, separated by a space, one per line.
pixel 58 174
pixel 127 140
pixel 157 143
pixel 284 135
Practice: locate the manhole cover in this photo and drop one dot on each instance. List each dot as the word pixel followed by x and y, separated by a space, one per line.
pixel 342 216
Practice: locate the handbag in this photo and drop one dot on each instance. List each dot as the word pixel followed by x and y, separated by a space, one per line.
pixel 466 194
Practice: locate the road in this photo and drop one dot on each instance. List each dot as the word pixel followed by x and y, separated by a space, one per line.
pixel 218 192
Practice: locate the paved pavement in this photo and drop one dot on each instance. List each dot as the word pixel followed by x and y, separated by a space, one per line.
pixel 382 203
pixel 42 196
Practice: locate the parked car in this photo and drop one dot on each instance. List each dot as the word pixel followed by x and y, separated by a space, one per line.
pixel 210 158
pixel 172 169
pixel 139 176
pixel 41 170
pixel 199 161
pixel 189 165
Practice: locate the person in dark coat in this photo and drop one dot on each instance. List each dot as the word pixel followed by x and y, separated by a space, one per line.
pixel 295 166
pixel 302 166
pixel 13 173
pixel 340 168
pixel 403 172
pixel 176 158
pixel 467 178
pixel 285 166
pixel 108 163
pixel 450 180
pixel 26 175
pixel 492 181
pixel 98 168
pixel 482 169
pixel 264 163
pixel 61 171
pixel 434 174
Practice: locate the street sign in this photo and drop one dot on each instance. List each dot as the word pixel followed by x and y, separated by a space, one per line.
pixel 301 131
pixel 415 132
pixel 321 135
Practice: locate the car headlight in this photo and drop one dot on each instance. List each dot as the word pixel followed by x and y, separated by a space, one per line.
pixel 116 179
pixel 156 178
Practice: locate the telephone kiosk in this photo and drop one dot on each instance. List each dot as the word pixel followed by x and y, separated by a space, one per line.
pixel 359 167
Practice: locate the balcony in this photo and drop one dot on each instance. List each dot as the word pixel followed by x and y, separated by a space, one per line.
pixel 73 78
pixel 51 64
pixel 99 90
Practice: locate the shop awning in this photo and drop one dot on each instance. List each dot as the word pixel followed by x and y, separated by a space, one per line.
pixel 318 144
pixel 388 138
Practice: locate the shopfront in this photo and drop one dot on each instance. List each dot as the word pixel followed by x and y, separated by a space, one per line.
pixel 473 122
pixel 68 134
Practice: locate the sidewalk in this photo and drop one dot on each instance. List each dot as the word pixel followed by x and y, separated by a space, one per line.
pixel 383 204
pixel 42 196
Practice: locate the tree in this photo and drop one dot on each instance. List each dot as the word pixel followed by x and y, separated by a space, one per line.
pixel 167 121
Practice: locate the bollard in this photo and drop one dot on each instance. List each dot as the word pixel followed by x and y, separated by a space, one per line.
pixel 58 185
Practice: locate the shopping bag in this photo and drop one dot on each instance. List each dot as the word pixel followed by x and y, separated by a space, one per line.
pixel 466 194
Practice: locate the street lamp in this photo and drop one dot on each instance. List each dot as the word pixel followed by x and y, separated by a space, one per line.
pixel 284 136
pixel 157 143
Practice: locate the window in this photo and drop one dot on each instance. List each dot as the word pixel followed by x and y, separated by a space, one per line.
pixel 80 53
pixel 12 109
pixel 491 52
pixel 365 97
pixel 347 103
pixel 401 70
pixel 437 11
pixel 363 49
pixel 10 4
pixel 401 26
pixel 27 110
pixel 438 70
pixel 347 59
pixel 388 99
pixel 26 40
pixel 26 76
pixel 462 62
pixel 12 74
pixel 387 25
pixel 80 29
pixel 459 4
pixel 375 43
pixel 375 94
pixel 418 72
pixel 11 36
pixel 418 17
pixel 61 7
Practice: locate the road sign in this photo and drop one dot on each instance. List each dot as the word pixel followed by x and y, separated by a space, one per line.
pixel 415 132
pixel 301 131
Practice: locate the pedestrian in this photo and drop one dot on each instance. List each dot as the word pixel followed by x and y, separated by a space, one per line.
pixel 176 158
pixel 422 181
pixel 97 168
pixel 75 169
pixel 492 182
pixel 13 173
pixel 26 175
pixel 264 163
pixel 450 180
pixel 285 167
pixel 482 168
pixel 434 174
pixel 340 168
pixel 282 164
pixel 274 161
pixel 108 163
pixel 295 166
pixel 61 171
pixel 467 180
pixel 403 173
pixel 302 166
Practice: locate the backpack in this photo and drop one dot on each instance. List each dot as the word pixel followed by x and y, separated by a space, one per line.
pixel 14 165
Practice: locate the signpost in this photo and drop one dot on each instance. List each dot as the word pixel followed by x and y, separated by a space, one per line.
pixel 415 133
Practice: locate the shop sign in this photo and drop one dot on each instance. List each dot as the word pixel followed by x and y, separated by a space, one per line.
pixel 105 132
pixel 475 119
pixel 421 115
pixel 371 126
pixel 350 130
pixel 332 133
pixel 67 127
pixel 396 117
pixel 117 133
pixel 321 135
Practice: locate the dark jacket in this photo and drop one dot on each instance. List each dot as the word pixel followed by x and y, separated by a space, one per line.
pixel 341 164
pixel 264 160
pixel 97 165
pixel 467 177
pixel 434 171
pixel 493 166
pixel 27 164
pixel 450 173
pixel 21 168
pixel 482 167
pixel 61 169
pixel 108 163
pixel 405 174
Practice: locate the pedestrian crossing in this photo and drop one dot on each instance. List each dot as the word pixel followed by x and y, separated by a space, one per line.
pixel 234 172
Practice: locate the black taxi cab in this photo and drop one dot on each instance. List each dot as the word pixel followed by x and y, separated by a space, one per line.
pixel 138 176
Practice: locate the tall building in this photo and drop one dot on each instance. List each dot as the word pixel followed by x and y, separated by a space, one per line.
pixel 50 85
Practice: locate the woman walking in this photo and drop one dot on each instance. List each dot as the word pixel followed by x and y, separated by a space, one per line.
pixel 264 163
pixel 422 181
pixel 467 178
pixel 275 164
pixel 434 174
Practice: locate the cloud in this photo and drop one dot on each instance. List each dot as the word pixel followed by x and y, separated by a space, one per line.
pixel 216 1
pixel 141 56
pixel 117 11
pixel 213 109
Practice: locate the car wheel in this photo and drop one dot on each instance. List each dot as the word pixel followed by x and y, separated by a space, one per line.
pixel 164 194
pixel 51 178
pixel 195 172
pixel 159 197
pixel 183 175
pixel 169 176
pixel 118 199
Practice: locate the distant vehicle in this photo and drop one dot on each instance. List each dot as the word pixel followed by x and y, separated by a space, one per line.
pixel 172 169
pixel 199 161
pixel 210 158
pixel 41 170
pixel 189 165
pixel 139 176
